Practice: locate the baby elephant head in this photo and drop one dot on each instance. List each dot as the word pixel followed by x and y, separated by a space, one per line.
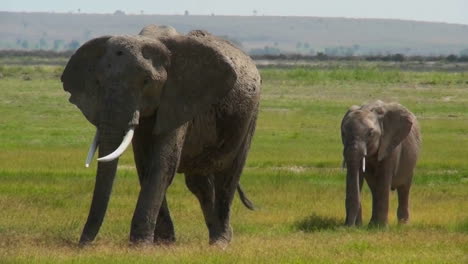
pixel 370 132
pixel 115 80
pixel 374 130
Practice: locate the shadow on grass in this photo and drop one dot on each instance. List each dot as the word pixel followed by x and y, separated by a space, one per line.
pixel 316 223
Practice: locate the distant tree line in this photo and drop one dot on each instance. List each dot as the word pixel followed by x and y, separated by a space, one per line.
pixel 305 50
pixel 319 56
pixel 42 44
pixel 398 57
pixel 36 53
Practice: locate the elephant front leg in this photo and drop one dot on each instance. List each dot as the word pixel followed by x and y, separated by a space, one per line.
pixel 380 198
pixel 359 215
pixel 164 232
pixel 164 158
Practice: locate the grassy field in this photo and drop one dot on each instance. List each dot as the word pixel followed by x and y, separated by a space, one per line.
pixel 293 175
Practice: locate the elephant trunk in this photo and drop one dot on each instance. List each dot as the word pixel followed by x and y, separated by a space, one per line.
pixel 353 159
pixel 109 140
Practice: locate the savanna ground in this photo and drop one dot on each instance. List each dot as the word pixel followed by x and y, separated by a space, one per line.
pixel 293 175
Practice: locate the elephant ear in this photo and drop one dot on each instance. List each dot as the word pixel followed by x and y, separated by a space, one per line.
pixel 396 123
pixel 79 77
pixel 199 76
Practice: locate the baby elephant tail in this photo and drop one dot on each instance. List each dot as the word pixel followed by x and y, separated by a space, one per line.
pixel 247 203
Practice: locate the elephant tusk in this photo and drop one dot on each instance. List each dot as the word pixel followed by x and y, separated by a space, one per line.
pixel 123 146
pixel 92 149
pixel 364 164
pixel 364 160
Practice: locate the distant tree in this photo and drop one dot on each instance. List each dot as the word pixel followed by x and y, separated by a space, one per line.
pixel 73 45
pixel 321 56
pixel 142 12
pixel 87 34
pixel 464 52
pixel 58 44
pixel 24 44
pixel 267 50
pixel 119 13
pixel 398 57
pixel 42 43
pixel 299 45
pixel 451 58
pixel 186 13
pixel 255 12
pixel 331 51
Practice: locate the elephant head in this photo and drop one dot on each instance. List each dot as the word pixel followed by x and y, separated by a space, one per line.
pixel 370 132
pixel 116 80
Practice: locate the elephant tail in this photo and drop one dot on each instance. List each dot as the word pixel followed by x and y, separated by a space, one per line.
pixel 247 203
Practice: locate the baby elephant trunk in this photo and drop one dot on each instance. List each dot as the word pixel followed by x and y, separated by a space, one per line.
pixel 355 162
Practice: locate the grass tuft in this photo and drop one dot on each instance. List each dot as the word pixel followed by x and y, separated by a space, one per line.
pixel 316 223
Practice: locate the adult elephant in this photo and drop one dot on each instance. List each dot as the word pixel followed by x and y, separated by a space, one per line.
pixel 188 103
pixel 381 144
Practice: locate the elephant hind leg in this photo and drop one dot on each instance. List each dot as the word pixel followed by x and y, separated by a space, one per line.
pixel 226 183
pixel 202 186
pixel 215 193
pixel 403 204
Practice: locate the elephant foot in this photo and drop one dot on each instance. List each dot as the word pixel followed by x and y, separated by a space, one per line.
pixel 220 243
pixel 377 223
pixel 83 243
pixel 403 221
pixel 85 240
pixel 138 240
pixel 164 241
pixel 221 239
pixel 164 233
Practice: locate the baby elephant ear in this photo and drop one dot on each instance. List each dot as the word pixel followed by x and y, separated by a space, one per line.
pixel 396 122
pixel 79 77
pixel 199 76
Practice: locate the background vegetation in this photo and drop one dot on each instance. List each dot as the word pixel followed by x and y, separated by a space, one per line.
pixel 293 175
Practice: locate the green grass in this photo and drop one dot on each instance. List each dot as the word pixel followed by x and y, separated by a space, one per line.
pixel 293 176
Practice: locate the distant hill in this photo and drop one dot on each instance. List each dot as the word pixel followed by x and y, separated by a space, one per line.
pixel 255 34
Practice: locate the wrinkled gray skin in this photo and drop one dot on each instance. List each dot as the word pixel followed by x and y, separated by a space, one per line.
pixel 193 100
pixel 387 136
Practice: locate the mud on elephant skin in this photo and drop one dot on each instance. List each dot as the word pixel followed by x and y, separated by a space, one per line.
pixel 187 103
pixel 381 145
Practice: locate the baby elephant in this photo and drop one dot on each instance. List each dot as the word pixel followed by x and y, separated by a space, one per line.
pixel 381 144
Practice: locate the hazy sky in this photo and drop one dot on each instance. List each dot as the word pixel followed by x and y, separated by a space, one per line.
pixel 451 11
